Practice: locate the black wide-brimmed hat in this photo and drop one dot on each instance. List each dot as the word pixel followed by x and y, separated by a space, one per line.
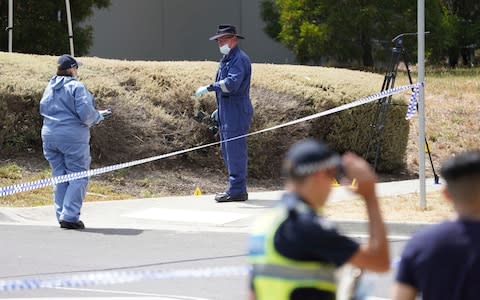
pixel 224 30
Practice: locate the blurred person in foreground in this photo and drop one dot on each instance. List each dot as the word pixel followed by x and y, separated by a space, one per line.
pixel 443 260
pixel 294 251
pixel 68 112
pixel 235 110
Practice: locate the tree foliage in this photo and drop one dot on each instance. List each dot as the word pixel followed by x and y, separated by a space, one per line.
pixel 354 32
pixel 40 26
pixel 462 18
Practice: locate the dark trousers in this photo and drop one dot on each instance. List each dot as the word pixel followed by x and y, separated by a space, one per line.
pixel 235 156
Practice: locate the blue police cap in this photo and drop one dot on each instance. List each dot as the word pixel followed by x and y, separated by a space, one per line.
pixel 309 156
pixel 66 62
pixel 463 165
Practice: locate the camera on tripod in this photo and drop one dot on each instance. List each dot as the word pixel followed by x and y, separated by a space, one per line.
pixel 203 118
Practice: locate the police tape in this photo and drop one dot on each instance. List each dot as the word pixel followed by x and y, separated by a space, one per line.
pixel 28 186
pixel 120 277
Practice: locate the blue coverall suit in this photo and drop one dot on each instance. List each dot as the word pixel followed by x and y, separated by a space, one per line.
pixel 68 112
pixel 235 111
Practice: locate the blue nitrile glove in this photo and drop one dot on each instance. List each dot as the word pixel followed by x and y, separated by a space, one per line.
pixel 201 90
pixel 214 116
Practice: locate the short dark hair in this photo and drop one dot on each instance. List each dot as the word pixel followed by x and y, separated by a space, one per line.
pixel 462 174
pixel 61 72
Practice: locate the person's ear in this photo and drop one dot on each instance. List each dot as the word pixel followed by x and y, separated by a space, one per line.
pixel 332 172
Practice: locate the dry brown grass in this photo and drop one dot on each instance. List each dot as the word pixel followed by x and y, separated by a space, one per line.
pixel 404 208
pixel 452 107
pixel 12 173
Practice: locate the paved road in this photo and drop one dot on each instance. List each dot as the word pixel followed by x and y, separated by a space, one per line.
pixel 174 233
pixel 44 252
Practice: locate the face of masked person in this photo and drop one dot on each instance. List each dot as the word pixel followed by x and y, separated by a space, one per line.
pixel 225 49
pixel 224 43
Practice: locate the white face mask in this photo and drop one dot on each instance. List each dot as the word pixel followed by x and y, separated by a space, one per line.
pixel 225 49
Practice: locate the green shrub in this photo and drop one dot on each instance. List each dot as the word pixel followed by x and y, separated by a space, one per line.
pixel 153 106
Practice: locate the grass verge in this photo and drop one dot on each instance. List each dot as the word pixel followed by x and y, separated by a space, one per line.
pixel 403 208
pixel 11 173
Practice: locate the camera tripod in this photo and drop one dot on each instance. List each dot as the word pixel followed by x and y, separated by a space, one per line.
pixel 380 115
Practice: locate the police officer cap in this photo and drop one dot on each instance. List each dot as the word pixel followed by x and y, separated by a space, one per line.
pixel 66 62
pixel 309 156
pixel 463 165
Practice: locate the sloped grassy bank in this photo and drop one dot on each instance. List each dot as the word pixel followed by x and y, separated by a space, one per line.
pixel 153 106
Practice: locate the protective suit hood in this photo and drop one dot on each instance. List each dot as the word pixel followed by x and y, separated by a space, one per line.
pixel 68 111
pixel 57 82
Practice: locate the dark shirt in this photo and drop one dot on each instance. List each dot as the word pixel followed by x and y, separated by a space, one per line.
pixel 442 261
pixel 306 236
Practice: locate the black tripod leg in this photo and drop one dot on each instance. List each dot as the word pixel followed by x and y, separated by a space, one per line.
pixel 379 119
pixel 435 176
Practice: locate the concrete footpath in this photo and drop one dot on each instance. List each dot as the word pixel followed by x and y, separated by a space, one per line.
pixel 171 236
pixel 202 213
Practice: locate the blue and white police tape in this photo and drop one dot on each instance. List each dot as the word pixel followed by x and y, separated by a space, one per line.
pixel 413 103
pixel 118 277
pixel 28 186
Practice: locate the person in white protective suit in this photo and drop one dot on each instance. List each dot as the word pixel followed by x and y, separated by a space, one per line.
pixel 68 112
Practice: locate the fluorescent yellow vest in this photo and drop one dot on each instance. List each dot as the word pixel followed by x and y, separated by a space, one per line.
pixel 275 276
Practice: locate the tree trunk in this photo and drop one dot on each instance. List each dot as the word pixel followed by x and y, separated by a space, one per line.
pixel 367 57
pixel 453 57
pixel 467 57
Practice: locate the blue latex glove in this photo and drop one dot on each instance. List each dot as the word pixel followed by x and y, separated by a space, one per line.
pixel 214 116
pixel 201 90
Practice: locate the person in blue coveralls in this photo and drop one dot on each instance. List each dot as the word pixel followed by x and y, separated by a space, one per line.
pixel 68 112
pixel 442 261
pixel 234 110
